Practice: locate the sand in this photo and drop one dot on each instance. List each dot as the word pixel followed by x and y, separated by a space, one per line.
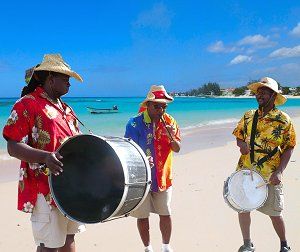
pixel 201 219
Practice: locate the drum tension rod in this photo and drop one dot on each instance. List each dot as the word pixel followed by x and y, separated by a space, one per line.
pixel 142 183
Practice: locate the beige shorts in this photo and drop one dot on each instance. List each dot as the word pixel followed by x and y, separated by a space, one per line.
pixel 275 201
pixel 50 227
pixel 155 202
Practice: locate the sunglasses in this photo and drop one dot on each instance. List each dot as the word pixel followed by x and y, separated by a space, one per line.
pixel 159 106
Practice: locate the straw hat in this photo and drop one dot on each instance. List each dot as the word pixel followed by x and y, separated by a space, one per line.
pixel 157 94
pixel 55 63
pixel 28 74
pixel 271 84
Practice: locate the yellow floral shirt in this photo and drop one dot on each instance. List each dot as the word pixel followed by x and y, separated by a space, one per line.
pixel 274 129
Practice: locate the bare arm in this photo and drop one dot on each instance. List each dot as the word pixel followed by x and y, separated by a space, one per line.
pixel 28 154
pixel 174 143
pixel 276 176
pixel 244 148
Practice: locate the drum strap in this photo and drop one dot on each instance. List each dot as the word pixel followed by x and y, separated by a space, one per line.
pixel 252 138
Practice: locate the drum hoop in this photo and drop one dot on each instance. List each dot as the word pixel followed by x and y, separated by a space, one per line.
pixel 241 210
pixel 244 169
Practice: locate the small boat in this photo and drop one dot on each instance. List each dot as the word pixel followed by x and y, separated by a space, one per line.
pixel 114 109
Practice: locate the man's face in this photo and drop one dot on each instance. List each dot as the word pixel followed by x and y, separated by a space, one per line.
pixel 265 96
pixel 60 84
pixel 156 109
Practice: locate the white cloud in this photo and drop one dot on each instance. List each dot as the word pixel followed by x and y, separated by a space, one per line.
pixel 257 41
pixel 286 52
pixel 248 44
pixel 240 59
pixel 296 30
pixel 220 47
pixel 158 17
pixel 217 47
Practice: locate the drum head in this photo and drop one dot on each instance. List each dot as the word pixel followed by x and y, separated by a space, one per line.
pixel 244 192
pixel 92 183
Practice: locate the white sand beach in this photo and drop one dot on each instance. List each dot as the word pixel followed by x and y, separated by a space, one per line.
pixel 201 219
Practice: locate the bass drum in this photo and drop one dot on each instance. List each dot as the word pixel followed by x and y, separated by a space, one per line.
pixel 103 178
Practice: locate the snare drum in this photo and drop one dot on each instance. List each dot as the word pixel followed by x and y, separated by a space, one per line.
pixel 104 178
pixel 244 191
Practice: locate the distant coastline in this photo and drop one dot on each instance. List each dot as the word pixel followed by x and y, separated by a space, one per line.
pixel 231 96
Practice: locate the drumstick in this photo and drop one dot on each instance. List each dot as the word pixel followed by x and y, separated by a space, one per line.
pixel 261 185
pixel 172 139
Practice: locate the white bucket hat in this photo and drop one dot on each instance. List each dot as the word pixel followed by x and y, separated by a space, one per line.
pixel 271 84
pixel 55 63
pixel 157 94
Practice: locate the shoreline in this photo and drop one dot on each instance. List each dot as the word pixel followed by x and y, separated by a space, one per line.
pixel 232 96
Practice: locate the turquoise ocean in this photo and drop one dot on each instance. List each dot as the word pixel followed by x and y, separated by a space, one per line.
pixel 190 112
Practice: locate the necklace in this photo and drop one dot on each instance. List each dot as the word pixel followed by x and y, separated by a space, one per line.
pixel 60 106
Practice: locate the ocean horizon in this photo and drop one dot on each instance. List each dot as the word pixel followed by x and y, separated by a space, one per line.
pixel 189 112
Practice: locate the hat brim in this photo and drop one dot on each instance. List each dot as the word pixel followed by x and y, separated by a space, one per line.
pixel 280 99
pixel 169 100
pixel 60 70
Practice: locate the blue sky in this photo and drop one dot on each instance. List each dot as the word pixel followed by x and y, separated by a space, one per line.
pixel 120 47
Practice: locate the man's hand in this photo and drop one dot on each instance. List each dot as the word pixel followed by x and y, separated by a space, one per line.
pixel 52 162
pixel 244 147
pixel 170 132
pixel 275 178
pixel 150 160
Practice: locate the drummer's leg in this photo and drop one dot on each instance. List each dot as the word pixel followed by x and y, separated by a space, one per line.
pixel 143 227
pixel 278 224
pixel 69 245
pixel 165 225
pixel 245 221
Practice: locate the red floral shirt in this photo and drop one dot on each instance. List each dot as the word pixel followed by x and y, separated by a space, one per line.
pixel 39 122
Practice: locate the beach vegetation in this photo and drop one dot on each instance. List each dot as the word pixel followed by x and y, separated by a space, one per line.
pixel 207 89
pixel 239 91
pixel 285 90
pixel 212 89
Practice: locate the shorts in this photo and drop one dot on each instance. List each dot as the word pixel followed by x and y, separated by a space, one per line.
pixel 155 202
pixel 275 201
pixel 50 227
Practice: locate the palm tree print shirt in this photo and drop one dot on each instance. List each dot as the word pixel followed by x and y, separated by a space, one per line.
pixel 273 130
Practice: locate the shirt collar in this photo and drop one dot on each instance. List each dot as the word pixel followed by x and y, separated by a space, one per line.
pixel 41 93
pixel 147 118
pixel 273 110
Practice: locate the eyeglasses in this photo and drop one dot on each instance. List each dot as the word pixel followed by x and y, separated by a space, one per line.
pixel 160 106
